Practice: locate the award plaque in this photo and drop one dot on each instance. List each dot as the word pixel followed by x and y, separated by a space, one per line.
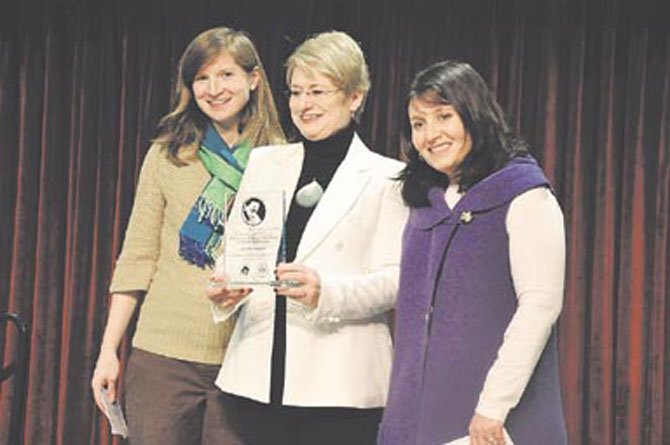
pixel 254 238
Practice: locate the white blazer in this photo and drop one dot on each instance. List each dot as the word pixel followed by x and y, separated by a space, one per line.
pixel 338 354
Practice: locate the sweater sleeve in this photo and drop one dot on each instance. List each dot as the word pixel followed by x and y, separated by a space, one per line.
pixel 136 264
pixel 537 260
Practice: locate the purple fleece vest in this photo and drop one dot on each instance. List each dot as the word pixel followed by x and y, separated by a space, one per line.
pixel 455 301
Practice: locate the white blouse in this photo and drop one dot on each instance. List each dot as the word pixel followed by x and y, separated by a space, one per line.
pixel 536 233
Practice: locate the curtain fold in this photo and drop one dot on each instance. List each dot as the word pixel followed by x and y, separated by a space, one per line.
pixel 586 83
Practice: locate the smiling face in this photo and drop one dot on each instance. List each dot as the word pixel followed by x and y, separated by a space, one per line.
pixel 318 107
pixel 438 134
pixel 222 89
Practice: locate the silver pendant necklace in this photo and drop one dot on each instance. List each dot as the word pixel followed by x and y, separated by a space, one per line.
pixel 309 194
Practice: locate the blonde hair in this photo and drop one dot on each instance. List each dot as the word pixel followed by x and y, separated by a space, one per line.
pixel 337 56
pixel 181 131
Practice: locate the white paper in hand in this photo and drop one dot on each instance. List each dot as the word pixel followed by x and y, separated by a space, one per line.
pixel 465 440
pixel 115 415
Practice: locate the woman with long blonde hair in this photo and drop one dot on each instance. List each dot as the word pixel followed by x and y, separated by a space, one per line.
pixel 223 108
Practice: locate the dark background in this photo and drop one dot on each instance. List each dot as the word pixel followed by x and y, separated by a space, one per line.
pixel 587 83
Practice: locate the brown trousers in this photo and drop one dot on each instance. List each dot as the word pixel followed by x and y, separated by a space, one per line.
pixel 174 402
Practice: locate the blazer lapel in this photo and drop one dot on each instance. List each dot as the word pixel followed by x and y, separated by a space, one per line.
pixel 348 183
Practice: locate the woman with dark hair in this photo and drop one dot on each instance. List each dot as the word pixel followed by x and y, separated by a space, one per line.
pixel 223 108
pixel 482 273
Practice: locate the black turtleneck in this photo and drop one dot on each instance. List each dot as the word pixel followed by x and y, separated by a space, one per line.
pixel 321 160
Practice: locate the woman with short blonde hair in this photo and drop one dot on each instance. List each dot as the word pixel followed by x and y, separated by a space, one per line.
pixel 310 359
pixel 336 55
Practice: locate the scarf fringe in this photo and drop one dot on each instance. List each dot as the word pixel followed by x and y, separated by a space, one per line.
pixel 210 211
pixel 201 233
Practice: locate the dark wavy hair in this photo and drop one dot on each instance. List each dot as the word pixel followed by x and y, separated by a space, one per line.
pixel 458 84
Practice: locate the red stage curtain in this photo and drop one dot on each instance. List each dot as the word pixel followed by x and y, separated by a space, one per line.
pixel 82 86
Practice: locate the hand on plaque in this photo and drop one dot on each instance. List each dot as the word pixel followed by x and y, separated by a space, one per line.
pixel 219 293
pixel 299 282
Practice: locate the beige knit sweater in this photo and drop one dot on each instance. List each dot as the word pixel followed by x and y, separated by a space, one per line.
pixel 175 318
